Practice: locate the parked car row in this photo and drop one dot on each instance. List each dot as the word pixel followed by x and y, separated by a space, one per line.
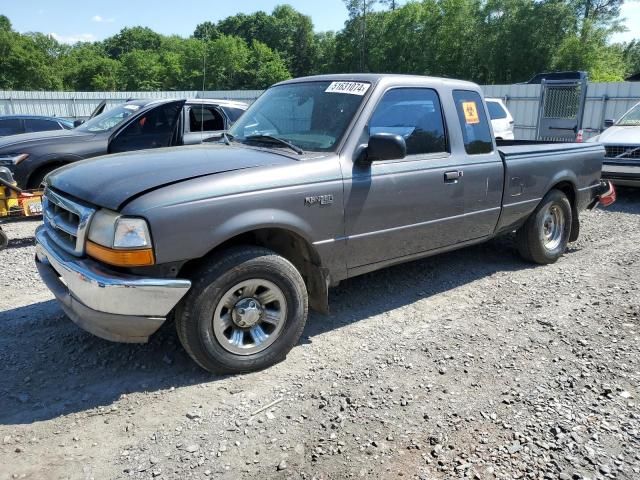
pixel 134 125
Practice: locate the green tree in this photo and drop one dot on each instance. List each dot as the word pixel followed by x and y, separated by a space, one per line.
pixel 140 70
pixel 265 67
pixel 23 65
pixel 206 31
pixel 631 54
pixel 5 24
pixel 130 39
pixel 87 68
pixel 590 52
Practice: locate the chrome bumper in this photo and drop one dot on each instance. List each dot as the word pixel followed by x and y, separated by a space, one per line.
pixel 620 174
pixel 109 304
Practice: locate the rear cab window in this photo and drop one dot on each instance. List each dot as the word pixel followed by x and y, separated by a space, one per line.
pixel 476 132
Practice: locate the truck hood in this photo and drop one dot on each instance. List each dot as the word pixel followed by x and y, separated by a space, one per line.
pixel 16 143
pixel 621 135
pixel 112 180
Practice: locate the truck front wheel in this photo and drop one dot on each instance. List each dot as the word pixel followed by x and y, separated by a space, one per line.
pixel 245 311
pixel 544 236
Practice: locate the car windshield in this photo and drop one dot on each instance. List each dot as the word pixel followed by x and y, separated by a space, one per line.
pixel 108 120
pixel 631 118
pixel 311 115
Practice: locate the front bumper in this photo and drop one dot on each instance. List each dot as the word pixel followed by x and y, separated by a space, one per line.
pixel 111 305
pixel 623 175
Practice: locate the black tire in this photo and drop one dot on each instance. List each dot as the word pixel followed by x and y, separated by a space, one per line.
pixel 4 240
pixel 212 283
pixel 533 241
pixel 37 178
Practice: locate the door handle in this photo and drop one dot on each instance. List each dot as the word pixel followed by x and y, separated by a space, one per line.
pixel 453 176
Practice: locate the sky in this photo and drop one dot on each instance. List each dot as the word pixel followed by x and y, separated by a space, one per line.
pixel 89 20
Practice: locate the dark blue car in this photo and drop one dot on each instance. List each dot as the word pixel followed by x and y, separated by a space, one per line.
pixel 14 124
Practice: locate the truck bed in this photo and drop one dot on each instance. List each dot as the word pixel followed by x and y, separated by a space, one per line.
pixel 532 169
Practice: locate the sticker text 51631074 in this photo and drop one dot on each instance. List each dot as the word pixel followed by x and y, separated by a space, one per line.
pixel 352 88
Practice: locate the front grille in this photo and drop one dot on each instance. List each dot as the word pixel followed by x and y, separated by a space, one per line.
pixel 66 221
pixel 622 152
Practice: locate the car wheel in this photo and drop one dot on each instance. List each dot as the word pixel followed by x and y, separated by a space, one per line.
pixel 36 180
pixel 544 236
pixel 245 311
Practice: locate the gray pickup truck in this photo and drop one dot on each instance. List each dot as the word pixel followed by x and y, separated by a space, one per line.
pixel 323 178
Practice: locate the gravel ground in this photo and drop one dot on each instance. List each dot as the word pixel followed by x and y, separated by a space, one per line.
pixel 470 364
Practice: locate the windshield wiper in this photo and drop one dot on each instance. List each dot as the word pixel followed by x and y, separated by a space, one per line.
pixel 271 138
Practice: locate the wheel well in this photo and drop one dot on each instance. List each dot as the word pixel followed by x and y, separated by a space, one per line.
pixel 42 170
pixel 291 246
pixel 569 190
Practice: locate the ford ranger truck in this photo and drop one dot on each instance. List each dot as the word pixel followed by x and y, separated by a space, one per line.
pixel 322 179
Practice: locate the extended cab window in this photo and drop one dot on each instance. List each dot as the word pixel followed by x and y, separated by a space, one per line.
pixel 473 121
pixel 205 119
pixel 415 114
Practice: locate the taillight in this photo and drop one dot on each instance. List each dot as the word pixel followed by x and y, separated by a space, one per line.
pixel 609 197
pixel 579 136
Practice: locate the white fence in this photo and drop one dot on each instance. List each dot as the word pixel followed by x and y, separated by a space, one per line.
pixel 604 100
pixel 80 104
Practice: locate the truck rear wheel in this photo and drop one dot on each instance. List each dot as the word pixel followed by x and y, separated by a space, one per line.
pixel 245 311
pixel 544 236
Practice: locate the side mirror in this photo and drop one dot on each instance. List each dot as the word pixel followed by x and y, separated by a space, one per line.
pixel 77 122
pixel 386 146
pixel 609 122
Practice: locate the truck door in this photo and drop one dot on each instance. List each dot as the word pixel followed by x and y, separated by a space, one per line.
pixel 152 127
pixel 402 207
pixel 480 165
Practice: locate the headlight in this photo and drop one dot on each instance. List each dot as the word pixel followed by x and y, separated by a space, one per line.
pixel 131 233
pixel 12 159
pixel 119 240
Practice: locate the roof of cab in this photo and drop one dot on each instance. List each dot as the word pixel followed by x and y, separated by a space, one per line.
pixel 375 78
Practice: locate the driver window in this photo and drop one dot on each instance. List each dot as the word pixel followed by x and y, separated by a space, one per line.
pixel 206 119
pixel 416 115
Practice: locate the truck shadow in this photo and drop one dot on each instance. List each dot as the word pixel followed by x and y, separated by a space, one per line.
pixel 628 200
pixel 51 368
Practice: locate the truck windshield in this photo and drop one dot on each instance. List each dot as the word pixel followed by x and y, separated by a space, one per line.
pixel 312 115
pixel 631 118
pixel 109 119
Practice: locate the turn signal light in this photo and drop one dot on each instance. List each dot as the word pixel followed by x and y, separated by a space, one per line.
pixel 121 258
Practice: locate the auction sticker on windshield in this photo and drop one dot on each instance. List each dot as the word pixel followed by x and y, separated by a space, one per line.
pixel 352 88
